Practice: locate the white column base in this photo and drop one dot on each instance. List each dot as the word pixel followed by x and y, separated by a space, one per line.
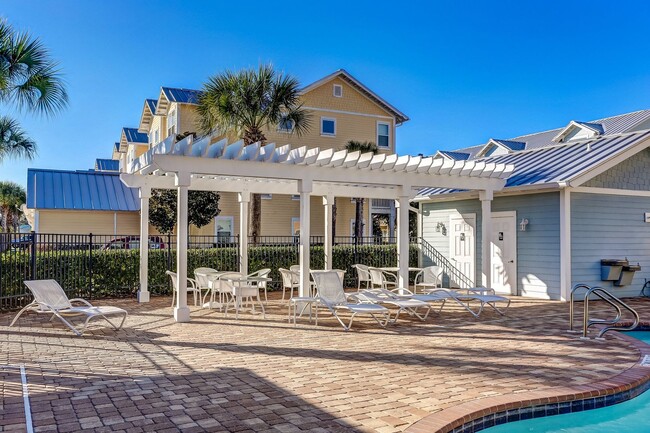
pixel 182 314
pixel 143 296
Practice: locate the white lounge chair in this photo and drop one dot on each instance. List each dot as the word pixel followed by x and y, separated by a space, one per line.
pixel 49 298
pixel 382 279
pixel 409 305
pixel 363 276
pixel 428 278
pixel 329 286
pixel 463 300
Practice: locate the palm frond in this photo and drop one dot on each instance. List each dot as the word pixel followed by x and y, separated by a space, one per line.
pixel 14 142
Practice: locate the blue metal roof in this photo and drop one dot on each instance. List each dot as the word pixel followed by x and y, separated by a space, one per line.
pixel 117 146
pixel 458 156
pixel 79 190
pixel 107 164
pixel 151 103
pixel 560 163
pixel 134 136
pixel 512 145
pixel 183 96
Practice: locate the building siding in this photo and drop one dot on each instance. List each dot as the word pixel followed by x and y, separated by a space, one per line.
pixel 85 222
pixel 609 226
pixel 538 248
pixel 630 174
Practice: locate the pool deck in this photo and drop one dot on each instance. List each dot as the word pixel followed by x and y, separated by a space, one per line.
pixel 252 375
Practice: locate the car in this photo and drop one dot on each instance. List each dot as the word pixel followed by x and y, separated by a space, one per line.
pixel 22 242
pixel 133 243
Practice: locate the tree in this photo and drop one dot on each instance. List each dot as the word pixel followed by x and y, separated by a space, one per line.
pixel 30 81
pixel 247 103
pixel 12 196
pixel 363 147
pixel 202 207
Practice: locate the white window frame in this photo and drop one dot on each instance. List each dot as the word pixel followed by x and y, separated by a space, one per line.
pixel 284 130
pixel 327 134
pixel 232 226
pixel 388 126
pixel 337 86
pixel 295 197
pixel 172 115
pixel 294 220
pixel 156 136
pixel 266 196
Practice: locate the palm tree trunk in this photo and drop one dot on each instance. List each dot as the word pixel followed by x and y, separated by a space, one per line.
pixel 334 221
pixel 256 217
pixel 358 219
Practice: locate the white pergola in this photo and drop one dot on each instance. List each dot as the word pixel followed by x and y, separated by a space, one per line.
pixel 271 169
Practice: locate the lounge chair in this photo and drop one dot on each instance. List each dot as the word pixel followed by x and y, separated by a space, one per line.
pixel 409 305
pixel 49 298
pixel 462 299
pixel 329 286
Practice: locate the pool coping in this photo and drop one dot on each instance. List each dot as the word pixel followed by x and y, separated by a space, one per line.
pixel 476 415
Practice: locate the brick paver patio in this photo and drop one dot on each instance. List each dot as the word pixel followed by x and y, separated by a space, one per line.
pixel 254 375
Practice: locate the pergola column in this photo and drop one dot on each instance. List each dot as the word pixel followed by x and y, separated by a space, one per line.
pixel 181 311
pixel 304 188
pixel 486 237
pixel 328 202
pixel 143 292
pixel 403 238
pixel 244 200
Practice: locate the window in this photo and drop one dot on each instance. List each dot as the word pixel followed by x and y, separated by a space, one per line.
pixel 295 197
pixel 295 226
pixel 156 137
pixel 286 125
pixel 338 90
pixel 171 122
pixel 223 228
pixel 383 135
pixel 327 126
pixel 266 196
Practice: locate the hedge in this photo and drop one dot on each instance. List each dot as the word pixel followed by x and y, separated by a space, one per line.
pixel 116 272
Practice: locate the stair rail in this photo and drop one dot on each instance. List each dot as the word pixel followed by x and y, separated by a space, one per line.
pixel 608 298
pixel 455 275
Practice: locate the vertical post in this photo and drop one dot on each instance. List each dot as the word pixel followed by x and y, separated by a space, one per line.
pixel 403 238
pixel 244 200
pixel 328 202
pixel 565 244
pixel 391 221
pixel 304 188
pixel 143 292
pixel 486 237
pixel 32 258
pixel 182 312
pixel 90 264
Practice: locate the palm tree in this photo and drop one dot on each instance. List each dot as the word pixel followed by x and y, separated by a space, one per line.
pixel 30 81
pixel 12 196
pixel 247 103
pixel 363 147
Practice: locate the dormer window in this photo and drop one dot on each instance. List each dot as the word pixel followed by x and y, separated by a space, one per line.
pixel 338 90
pixel 579 131
pixel 496 147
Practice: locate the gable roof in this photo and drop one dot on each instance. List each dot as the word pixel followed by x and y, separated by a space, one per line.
pixel 181 96
pixel 508 145
pixel 596 128
pixel 132 135
pixel 553 166
pixel 79 190
pixel 117 146
pixel 151 104
pixel 148 111
pixel 102 164
pixel 610 125
pixel 345 76
pixel 456 156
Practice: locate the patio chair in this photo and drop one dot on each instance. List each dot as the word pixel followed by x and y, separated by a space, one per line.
pixel 363 276
pixel 290 280
pixel 190 288
pixel 382 279
pixel 49 298
pixel 202 279
pixel 243 292
pixel 403 303
pixel 261 284
pixel 428 278
pixel 331 295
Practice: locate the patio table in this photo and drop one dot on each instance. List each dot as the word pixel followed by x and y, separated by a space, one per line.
pixel 213 285
pixel 244 282
pixel 395 269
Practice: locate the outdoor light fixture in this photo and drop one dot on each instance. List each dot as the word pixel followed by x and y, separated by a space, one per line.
pixel 462 237
pixel 523 224
pixel 440 228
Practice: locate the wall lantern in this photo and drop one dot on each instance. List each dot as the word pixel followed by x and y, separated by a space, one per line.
pixel 523 224
pixel 440 228
pixel 462 237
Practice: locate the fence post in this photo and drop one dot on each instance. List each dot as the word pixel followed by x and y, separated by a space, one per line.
pixel 90 265
pixel 32 258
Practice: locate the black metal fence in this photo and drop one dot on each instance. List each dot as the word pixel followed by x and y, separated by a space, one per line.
pixel 92 266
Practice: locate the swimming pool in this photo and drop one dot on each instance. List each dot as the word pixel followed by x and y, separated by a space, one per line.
pixel 631 416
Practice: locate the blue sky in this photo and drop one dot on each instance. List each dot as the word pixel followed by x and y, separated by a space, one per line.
pixel 462 71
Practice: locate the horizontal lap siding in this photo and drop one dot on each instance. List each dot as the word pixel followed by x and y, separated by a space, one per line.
pixel 538 248
pixel 84 222
pixel 609 226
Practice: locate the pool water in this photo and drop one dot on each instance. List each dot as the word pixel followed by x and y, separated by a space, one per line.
pixel 632 416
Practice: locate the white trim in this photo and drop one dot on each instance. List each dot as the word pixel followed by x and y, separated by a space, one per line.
pixel 29 425
pixel 328 110
pixel 611 191
pixel 454 214
pixel 387 124
pixel 294 220
pixel 514 289
pixel 573 124
pixel 565 244
pixel 337 86
pixel 327 134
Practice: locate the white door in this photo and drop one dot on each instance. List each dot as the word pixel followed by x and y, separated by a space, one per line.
pixel 462 243
pixel 504 252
